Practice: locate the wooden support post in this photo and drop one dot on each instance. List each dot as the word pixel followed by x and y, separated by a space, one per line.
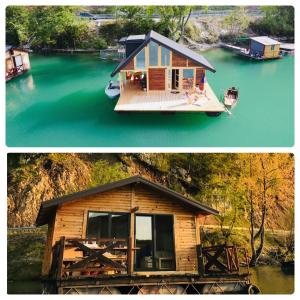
pixel 129 256
pixel 131 232
pixel 200 259
pixel 60 257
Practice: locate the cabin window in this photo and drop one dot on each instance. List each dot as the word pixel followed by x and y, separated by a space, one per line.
pixel 140 60
pixel 154 236
pixel 165 56
pixel 272 47
pixel 153 54
pixel 188 73
pixel 188 79
pixel 107 225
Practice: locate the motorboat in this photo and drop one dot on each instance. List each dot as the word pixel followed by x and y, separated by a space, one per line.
pixel 112 89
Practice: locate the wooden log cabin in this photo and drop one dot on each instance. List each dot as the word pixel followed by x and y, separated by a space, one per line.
pixel 129 236
pixel 16 62
pixel 159 74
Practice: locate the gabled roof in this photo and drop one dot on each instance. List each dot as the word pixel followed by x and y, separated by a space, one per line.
pixel 265 40
pixel 48 208
pixel 160 39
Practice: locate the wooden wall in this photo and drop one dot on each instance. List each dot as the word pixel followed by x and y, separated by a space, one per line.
pixel 268 53
pixel 129 66
pixel 199 73
pixel 157 77
pixel 70 220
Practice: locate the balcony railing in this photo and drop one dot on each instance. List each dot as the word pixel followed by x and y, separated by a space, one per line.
pixel 222 259
pixel 90 257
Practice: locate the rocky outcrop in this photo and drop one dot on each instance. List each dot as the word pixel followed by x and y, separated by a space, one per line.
pixel 48 177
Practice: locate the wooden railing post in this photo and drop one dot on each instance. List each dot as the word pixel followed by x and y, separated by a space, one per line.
pixel 200 259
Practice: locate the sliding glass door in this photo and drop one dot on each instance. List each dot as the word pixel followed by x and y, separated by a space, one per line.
pixel 154 238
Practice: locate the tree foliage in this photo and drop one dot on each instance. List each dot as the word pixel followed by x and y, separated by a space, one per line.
pixel 49 26
pixel 277 20
pixel 237 21
pixel 103 172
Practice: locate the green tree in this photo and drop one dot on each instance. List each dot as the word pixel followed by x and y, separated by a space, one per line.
pixel 174 18
pixel 277 20
pixel 237 21
pixel 17 25
pixel 104 172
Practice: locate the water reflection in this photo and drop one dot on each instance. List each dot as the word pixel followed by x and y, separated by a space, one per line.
pixel 271 280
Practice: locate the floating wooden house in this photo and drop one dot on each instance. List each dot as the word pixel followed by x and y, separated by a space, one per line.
pixel 16 62
pixel 260 48
pixel 159 74
pixel 264 47
pixel 133 236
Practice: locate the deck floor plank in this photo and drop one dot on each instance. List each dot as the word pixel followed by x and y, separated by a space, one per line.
pixel 134 99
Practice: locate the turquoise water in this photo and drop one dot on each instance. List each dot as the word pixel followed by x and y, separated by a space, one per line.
pixel 61 102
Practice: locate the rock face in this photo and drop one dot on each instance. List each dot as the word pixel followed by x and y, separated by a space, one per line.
pixel 45 179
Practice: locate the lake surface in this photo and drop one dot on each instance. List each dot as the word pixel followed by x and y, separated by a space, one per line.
pixel 61 102
pixel 270 280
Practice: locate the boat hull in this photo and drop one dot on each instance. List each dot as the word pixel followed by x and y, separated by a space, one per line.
pixel 112 91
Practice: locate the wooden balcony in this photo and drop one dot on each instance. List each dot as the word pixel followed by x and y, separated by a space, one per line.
pixel 94 258
pixel 132 98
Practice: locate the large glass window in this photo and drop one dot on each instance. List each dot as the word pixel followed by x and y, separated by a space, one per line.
pixel 153 54
pixel 188 73
pixel 140 60
pixel 107 225
pixel 155 242
pixel 165 56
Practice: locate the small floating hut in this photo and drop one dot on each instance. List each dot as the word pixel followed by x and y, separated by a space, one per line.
pixel 134 236
pixel 16 62
pixel 159 74
pixel 260 48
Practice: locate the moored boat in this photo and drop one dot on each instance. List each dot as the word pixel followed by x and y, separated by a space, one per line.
pixel 112 89
pixel 231 97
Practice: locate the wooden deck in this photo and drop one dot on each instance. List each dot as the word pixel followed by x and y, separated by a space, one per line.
pixel 134 99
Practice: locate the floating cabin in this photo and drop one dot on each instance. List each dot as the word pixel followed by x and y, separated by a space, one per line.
pixel 264 47
pixel 16 62
pixel 260 48
pixel 158 74
pixel 134 236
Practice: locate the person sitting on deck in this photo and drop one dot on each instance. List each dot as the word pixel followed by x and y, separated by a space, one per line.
pixel 197 89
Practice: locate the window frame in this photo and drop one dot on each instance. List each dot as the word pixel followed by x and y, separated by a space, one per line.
pixel 110 213
pixel 154 268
